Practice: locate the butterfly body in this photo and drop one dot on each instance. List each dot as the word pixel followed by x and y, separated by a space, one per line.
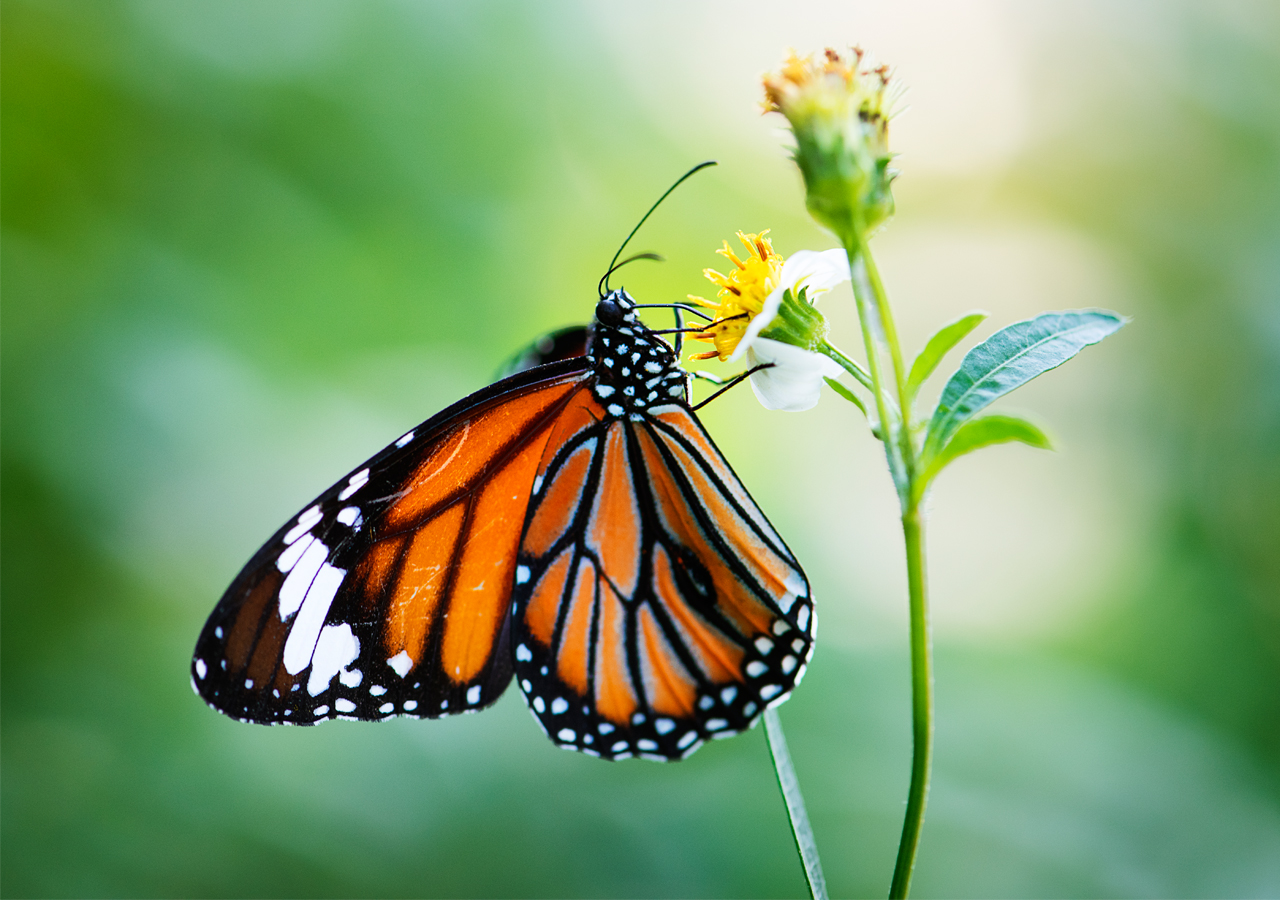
pixel 572 525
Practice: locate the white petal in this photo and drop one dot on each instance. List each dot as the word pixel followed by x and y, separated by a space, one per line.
pixel 794 382
pixel 819 272
pixel 772 304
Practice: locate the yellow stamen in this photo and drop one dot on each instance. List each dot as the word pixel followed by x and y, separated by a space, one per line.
pixel 742 293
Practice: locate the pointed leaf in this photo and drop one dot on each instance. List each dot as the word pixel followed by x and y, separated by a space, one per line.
pixel 983 432
pixel 845 393
pixel 1009 359
pixel 939 346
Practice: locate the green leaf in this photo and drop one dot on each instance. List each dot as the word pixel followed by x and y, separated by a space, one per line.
pixel 938 346
pixel 845 393
pixel 853 398
pixel 1009 359
pixel 983 432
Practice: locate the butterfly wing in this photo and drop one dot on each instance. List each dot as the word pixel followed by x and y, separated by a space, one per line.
pixel 390 594
pixel 655 606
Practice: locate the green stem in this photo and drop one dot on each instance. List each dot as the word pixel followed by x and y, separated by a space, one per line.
pixel 895 355
pixel 874 310
pixel 921 703
pixel 867 302
pixel 790 786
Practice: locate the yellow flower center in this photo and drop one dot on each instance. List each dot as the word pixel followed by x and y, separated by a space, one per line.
pixel 742 293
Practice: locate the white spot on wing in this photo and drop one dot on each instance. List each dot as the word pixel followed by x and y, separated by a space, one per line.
pixel 538 705
pixel 401 663
pixel 646 744
pixel 688 738
pixel 386 708
pixel 664 726
pixel 410 705
pixel 755 668
pixel 335 649
pixel 377 690
pixel 201 669
pixel 523 654
pixel 558 706
pixel 717 724
pixel 343 705
pixel 769 691
pixel 802 618
pixel 473 694
pixel 352 678
pixel 404 440
pixel 522 574
pixel 357 481
pixel 350 515
pixel 764 645
pixel 309 517
pixel 306 627
pixel 289 558
pixel 298 584
pixel 568 735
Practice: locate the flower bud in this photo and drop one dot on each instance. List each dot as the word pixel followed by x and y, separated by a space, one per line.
pixel 840 118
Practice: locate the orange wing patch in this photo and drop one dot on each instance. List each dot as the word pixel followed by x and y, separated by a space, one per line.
pixel 245 630
pixel 413 606
pixel 614 529
pixel 719 658
pixel 733 598
pixel 544 606
pixel 682 421
pixel 667 682
pixel 615 697
pixel 473 445
pixel 482 587
pixel 560 502
pixel 768 568
pixel 573 658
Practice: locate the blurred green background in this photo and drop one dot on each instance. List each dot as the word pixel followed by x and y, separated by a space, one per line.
pixel 247 244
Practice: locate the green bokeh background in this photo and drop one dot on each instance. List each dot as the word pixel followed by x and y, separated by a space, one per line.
pixel 246 244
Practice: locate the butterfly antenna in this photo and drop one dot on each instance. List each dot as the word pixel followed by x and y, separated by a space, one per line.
pixel 603 287
pixel 656 257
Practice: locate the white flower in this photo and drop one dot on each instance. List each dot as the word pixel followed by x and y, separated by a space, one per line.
pixel 818 272
pixel 793 380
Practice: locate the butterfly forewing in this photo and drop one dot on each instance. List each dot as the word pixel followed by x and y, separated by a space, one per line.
pixel 390 593
pixel 655 607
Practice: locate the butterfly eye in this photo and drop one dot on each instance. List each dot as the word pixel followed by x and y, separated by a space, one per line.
pixel 608 312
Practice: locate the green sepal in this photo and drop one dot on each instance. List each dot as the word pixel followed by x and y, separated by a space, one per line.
pixel 1009 359
pixel 939 346
pixel 983 432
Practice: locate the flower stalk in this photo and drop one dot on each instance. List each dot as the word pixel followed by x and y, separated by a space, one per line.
pixel 838 110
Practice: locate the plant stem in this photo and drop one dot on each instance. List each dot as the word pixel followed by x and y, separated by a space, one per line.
pixel 874 310
pixel 866 301
pixel 921 703
pixel 790 786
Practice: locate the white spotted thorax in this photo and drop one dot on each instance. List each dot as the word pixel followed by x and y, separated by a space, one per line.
pixel 636 370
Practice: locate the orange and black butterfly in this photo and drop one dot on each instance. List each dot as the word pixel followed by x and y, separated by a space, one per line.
pixel 572 525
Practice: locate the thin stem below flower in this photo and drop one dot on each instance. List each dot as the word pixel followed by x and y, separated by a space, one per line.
pixel 790 786
pixel 921 703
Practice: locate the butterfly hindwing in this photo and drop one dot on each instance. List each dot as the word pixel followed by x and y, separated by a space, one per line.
pixel 390 594
pixel 655 607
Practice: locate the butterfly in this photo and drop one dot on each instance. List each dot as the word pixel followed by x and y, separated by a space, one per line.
pixel 572 526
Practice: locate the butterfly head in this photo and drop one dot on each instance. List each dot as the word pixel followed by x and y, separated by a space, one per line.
pixel 635 368
pixel 616 309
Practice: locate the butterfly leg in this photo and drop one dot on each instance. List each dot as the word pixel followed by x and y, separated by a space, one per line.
pixel 732 382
